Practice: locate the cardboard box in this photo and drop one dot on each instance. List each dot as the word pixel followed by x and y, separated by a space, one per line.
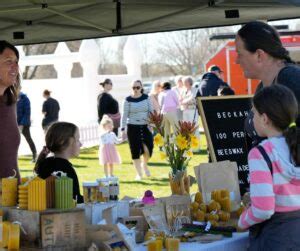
pixel 139 224
pixel 103 235
pixel 53 229
pixel 94 211
pixel 219 175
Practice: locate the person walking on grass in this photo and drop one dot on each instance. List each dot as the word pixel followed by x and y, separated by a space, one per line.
pixel 24 122
pixel 135 120
pixel 50 110
pixel 108 154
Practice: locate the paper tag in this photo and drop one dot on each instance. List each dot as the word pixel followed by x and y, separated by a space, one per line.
pixel 208 226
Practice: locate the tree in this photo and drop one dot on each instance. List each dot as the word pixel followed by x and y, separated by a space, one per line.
pixel 186 52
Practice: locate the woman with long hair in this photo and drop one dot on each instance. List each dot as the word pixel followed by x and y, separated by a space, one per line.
pixel 9 88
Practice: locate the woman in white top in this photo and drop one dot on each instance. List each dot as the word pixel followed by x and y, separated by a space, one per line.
pixel 188 101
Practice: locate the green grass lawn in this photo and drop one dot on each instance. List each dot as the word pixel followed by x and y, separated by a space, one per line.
pixel 88 169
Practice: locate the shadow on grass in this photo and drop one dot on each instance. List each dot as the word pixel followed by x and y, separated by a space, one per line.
pixel 26 170
pixel 87 158
pixel 144 183
pixel 80 166
pixel 158 164
pixel 159 180
pixel 201 152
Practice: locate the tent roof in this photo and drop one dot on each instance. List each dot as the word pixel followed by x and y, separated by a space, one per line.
pixel 40 21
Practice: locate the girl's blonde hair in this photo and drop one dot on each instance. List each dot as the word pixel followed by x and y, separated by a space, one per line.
pixel 105 121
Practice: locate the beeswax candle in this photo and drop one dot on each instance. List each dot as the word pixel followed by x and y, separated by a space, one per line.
pixel 5 230
pixel 225 204
pixel 172 244
pixel 50 190
pixel 23 196
pixel 64 193
pixel 14 237
pixel 37 194
pixel 151 246
pixel 9 191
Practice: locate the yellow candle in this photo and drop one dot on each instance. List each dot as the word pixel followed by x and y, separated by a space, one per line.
pixel 225 204
pixel 37 195
pixel 9 192
pixel 151 246
pixel 23 196
pixel 172 244
pixel 225 193
pixel 14 237
pixel 5 233
pixel 159 244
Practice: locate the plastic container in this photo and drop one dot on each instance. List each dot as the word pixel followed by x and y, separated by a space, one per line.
pixel 103 190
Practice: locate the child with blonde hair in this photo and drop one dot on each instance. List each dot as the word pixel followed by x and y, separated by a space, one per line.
pixel 108 154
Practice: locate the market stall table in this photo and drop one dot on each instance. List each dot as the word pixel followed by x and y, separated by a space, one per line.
pixel 238 242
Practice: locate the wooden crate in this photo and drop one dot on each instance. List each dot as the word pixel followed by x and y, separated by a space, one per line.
pixel 53 229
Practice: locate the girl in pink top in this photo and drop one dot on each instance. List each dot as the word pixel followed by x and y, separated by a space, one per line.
pixel 274 214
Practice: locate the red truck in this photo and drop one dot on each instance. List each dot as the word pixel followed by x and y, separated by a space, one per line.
pixel 233 73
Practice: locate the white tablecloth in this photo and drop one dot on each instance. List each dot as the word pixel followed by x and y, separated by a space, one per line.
pixel 239 242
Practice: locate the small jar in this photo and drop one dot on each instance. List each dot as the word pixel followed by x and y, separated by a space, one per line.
pixel 103 190
pixel 90 192
pixel 114 189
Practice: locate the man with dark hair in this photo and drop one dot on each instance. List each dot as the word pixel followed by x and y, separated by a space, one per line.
pixel 50 110
pixel 211 82
pixel 24 123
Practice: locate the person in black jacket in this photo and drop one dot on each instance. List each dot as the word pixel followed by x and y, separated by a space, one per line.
pixel 24 122
pixel 50 110
pixel 62 139
pixel 211 82
pixel 106 104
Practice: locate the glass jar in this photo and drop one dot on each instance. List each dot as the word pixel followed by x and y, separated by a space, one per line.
pixel 90 192
pixel 103 190
pixel 114 188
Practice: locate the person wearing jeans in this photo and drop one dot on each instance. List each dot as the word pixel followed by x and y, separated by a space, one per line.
pixel 24 123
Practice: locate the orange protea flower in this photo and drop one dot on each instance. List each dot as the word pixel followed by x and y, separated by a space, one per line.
pixel 156 119
pixel 186 128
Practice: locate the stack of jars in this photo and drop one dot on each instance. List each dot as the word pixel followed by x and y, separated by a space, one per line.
pixel 104 190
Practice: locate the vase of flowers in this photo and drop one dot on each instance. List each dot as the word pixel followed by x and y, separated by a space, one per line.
pixel 177 149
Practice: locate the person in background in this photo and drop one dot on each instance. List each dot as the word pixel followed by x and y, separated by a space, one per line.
pixel 169 103
pixel 262 56
pixel 9 87
pixel 50 110
pixel 225 91
pixel 106 104
pixel 108 154
pixel 211 82
pixel 136 110
pixel 188 101
pixel 24 122
pixel 63 140
pixel 274 213
pixel 179 89
pixel 155 90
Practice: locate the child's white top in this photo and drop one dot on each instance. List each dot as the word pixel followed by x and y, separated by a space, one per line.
pixel 108 138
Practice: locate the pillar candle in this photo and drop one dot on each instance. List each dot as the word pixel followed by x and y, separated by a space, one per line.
pixel 50 190
pixel 14 237
pixel 151 246
pixel 5 233
pixel 37 194
pixel 172 244
pixel 9 191
pixel 159 244
pixel 64 193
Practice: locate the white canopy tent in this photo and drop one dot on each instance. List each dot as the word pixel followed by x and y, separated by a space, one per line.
pixel 40 21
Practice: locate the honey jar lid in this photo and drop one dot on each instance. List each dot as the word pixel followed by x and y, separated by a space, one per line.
pixel 89 184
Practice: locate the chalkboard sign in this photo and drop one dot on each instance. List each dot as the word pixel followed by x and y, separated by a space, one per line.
pixel 223 121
